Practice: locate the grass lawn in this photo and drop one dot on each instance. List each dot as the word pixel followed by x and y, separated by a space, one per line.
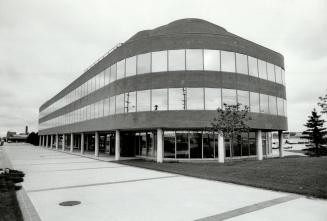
pixel 302 175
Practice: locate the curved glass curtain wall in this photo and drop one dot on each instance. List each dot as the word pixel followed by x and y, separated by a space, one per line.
pixel 173 60
pixel 166 99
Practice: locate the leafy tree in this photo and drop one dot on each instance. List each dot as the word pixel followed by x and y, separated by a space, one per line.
pixel 315 130
pixel 323 104
pixel 33 138
pixel 231 121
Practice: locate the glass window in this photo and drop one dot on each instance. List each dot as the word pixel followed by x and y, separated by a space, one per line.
pixel 159 99
pixel 280 106
pixel 131 66
pixel 211 60
pixel 212 98
pixel 208 144
pixel 176 60
pixel 159 61
pixel 241 63
pixel 130 102
pixel 112 105
pixel 113 73
pixel 271 72
pixel 143 63
pixel 177 98
pixel 195 99
pixel 96 110
pixel 278 72
pixel 264 103
pixel 254 102
pixel 253 66
pixel 100 108
pixel 195 138
pixel 229 96
pixel 283 76
pixel 169 144
pixel 106 107
pixel 143 100
pixel 194 59
pixel 227 61
pixel 107 76
pixel 285 107
pixel 243 97
pixel 101 79
pixel 120 103
pixel 273 105
pixel 121 69
pixel 262 69
pixel 182 144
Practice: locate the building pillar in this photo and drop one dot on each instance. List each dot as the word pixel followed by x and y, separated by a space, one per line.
pixel 63 142
pixel 258 136
pixel 160 145
pixel 40 140
pixel 96 144
pixel 117 145
pixel 221 148
pixel 47 141
pixel 71 142
pixel 51 145
pixel 44 141
pixel 82 143
pixel 57 141
pixel 280 143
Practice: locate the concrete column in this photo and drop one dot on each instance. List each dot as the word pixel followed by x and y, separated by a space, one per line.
pixel 160 145
pixel 71 142
pixel 82 143
pixel 117 145
pixel 51 141
pixel 47 141
pixel 280 144
pixel 57 141
pixel 63 142
pixel 221 148
pixel 40 140
pixel 258 136
pixel 44 144
pixel 96 144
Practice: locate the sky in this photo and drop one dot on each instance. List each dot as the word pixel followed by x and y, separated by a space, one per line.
pixel 45 45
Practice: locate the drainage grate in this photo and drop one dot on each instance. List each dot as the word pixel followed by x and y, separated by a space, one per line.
pixel 69 203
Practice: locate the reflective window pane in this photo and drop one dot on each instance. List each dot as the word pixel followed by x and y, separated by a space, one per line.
pixel 253 66
pixel 262 69
pixel 280 106
pixel 211 60
pixel 176 60
pixel 107 76
pixel 169 144
pixel 120 69
pixel 131 66
pixel 195 99
pixel 130 102
pixel 143 63
pixel 273 105
pixel 229 96
pixel 194 60
pixel 278 72
pixel 182 144
pixel 195 138
pixel 177 98
pixel 159 99
pixel 112 105
pixel 264 105
pixel 212 98
pixel 271 72
pixel 120 103
pixel 101 79
pixel 285 107
pixel 254 102
pixel 106 107
pixel 113 73
pixel 227 61
pixel 243 97
pixel 208 145
pixel 143 100
pixel 159 61
pixel 241 63
pixel 283 76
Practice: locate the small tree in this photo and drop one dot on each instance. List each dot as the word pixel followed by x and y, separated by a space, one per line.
pixel 33 138
pixel 231 121
pixel 315 130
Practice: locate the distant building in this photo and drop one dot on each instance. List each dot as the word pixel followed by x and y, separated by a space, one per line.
pixel 154 95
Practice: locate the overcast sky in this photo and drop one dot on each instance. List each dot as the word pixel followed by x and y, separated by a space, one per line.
pixel 45 45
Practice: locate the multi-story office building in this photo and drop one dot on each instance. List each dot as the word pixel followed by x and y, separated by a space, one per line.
pixel 156 95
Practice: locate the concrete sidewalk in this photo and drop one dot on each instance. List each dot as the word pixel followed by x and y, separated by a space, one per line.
pixel 110 191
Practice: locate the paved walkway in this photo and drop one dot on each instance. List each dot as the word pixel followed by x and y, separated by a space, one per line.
pixel 110 191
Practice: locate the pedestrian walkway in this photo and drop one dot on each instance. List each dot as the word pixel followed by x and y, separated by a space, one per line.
pixel 111 191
